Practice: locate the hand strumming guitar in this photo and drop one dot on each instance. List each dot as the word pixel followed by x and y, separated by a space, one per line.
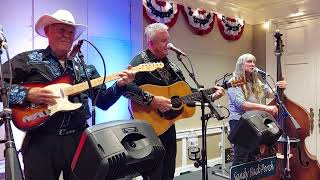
pixel 39 95
pixel 161 103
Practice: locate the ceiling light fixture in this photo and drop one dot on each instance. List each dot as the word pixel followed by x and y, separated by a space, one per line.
pixel 266 25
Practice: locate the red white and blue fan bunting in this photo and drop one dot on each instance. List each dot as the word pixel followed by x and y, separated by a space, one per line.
pixel 230 28
pixel 161 11
pixel 200 21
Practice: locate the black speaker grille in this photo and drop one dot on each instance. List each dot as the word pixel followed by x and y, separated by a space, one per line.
pixel 148 162
pixel 117 161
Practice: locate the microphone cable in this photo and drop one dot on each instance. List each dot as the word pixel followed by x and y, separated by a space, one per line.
pixel 4 45
pixel 192 70
pixel 95 98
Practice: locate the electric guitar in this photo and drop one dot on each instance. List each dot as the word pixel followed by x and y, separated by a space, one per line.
pixel 27 117
pixel 179 93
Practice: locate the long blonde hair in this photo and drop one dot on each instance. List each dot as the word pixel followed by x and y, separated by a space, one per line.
pixel 256 83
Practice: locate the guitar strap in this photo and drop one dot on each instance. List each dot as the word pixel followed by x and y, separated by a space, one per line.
pixel 147 59
pixel 177 71
pixel 76 70
pixel 163 72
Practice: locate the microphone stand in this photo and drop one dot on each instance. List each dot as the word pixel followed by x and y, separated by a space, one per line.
pixel 94 99
pixel 284 138
pixel 12 164
pixel 191 74
pixel 204 118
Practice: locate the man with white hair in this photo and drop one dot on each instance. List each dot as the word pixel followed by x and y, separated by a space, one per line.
pixel 157 39
pixel 48 149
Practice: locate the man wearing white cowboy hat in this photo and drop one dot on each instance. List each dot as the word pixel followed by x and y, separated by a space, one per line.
pixel 60 16
pixel 48 149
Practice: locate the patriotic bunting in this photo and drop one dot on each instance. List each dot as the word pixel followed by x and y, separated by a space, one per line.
pixel 200 21
pixel 161 11
pixel 230 28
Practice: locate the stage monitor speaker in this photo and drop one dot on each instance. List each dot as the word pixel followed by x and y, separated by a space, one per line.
pixel 255 128
pixel 117 149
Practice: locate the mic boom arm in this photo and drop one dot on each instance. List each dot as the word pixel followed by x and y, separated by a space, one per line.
pixel 213 108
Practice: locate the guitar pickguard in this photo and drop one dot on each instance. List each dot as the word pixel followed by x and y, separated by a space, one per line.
pixel 171 114
pixel 35 116
pixel 175 111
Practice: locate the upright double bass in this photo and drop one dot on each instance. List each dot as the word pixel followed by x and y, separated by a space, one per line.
pixel 293 160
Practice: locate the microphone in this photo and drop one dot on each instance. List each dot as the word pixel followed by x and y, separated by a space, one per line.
pixel 178 51
pixel 3 41
pixel 76 49
pixel 257 70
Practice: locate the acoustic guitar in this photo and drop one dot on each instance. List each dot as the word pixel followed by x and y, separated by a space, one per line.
pixel 179 93
pixel 26 117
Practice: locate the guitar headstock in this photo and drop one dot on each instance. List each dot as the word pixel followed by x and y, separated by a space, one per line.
pixel 148 67
pixel 238 82
pixel 234 83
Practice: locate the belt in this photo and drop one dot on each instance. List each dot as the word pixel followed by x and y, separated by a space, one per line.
pixel 67 131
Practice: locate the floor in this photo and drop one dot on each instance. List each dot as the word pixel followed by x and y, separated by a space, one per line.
pixel 216 173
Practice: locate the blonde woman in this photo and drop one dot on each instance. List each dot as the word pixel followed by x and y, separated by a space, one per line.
pixel 246 98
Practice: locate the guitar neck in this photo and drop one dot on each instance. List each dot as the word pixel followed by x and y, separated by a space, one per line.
pixel 78 88
pixel 196 95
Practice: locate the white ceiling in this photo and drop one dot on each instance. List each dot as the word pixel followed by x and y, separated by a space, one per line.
pixel 256 11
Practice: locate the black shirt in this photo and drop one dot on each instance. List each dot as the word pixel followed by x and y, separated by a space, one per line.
pixel 168 75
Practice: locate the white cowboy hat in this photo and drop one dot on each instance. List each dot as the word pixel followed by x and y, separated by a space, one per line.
pixel 60 16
